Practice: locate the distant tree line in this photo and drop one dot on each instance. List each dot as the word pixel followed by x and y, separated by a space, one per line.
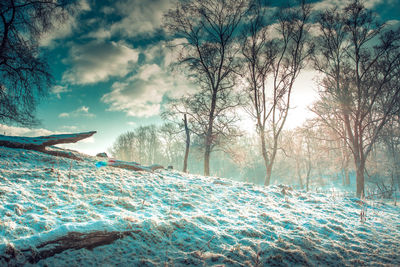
pixel 306 159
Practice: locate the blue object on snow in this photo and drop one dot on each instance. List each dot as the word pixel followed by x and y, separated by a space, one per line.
pixel 101 164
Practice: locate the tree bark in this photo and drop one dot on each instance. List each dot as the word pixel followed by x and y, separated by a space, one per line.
pixel 208 137
pixel 360 166
pixel 185 160
pixel 207 160
pixel 299 173
pixel 132 166
pixel 347 180
pixel 73 240
pixel 39 143
pixel 265 156
pixel 268 175
pixel 271 163
pixel 308 179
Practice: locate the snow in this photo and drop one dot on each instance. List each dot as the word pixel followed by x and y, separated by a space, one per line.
pixel 182 219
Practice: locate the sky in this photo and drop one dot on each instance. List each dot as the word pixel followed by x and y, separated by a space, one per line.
pixel 111 66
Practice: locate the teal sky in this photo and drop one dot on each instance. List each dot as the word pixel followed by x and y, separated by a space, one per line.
pixel 111 67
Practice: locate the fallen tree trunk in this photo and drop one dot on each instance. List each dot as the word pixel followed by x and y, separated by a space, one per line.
pixel 58 153
pixel 128 165
pixel 41 142
pixel 73 240
pixel 132 165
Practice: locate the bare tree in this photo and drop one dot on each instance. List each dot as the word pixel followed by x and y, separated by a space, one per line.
pixel 24 73
pixel 209 28
pixel 278 60
pixel 174 112
pixel 141 145
pixel 307 151
pixel 390 138
pixel 360 61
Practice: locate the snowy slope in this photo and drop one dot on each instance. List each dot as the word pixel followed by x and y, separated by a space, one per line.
pixel 178 219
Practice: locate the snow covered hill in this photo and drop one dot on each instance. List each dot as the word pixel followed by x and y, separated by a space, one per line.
pixel 171 218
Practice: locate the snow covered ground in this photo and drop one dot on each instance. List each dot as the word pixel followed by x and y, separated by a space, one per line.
pixel 177 219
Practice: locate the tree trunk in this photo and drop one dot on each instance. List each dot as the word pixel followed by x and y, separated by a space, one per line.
pixel 268 175
pixel 360 166
pixel 271 161
pixel 299 174
pixel 71 241
pixel 208 137
pixel 343 178
pixel 265 157
pixel 185 160
pixel 347 180
pixel 308 176
pixel 41 142
pixel 207 160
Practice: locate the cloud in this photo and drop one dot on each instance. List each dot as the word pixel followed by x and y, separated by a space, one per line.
pixel 139 17
pixel 63 115
pixel 130 18
pixel 164 53
pixel 98 61
pixel 70 128
pixel 66 28
pixel 392 24
pixel 59 89
pixel 79 112
pixel 22 131
pixel 327 4
pixel 99 34
pixel 142 94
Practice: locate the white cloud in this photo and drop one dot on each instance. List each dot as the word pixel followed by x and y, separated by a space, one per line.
pixel 66 28
pixel 63 115
pixel 70 128
pixel 79 112
pixel 141 95
pixel 139 17
pixel 22 131
pixel 59 89
pixel 165 52
pixel 328 4
pixel 99 34
pixel 98 61
pixel 392 24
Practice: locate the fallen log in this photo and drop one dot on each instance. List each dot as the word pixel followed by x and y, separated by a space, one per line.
pixel 41 142
pixel 58 153
pixel 128 165
pixel 155 167
pixel 73 240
